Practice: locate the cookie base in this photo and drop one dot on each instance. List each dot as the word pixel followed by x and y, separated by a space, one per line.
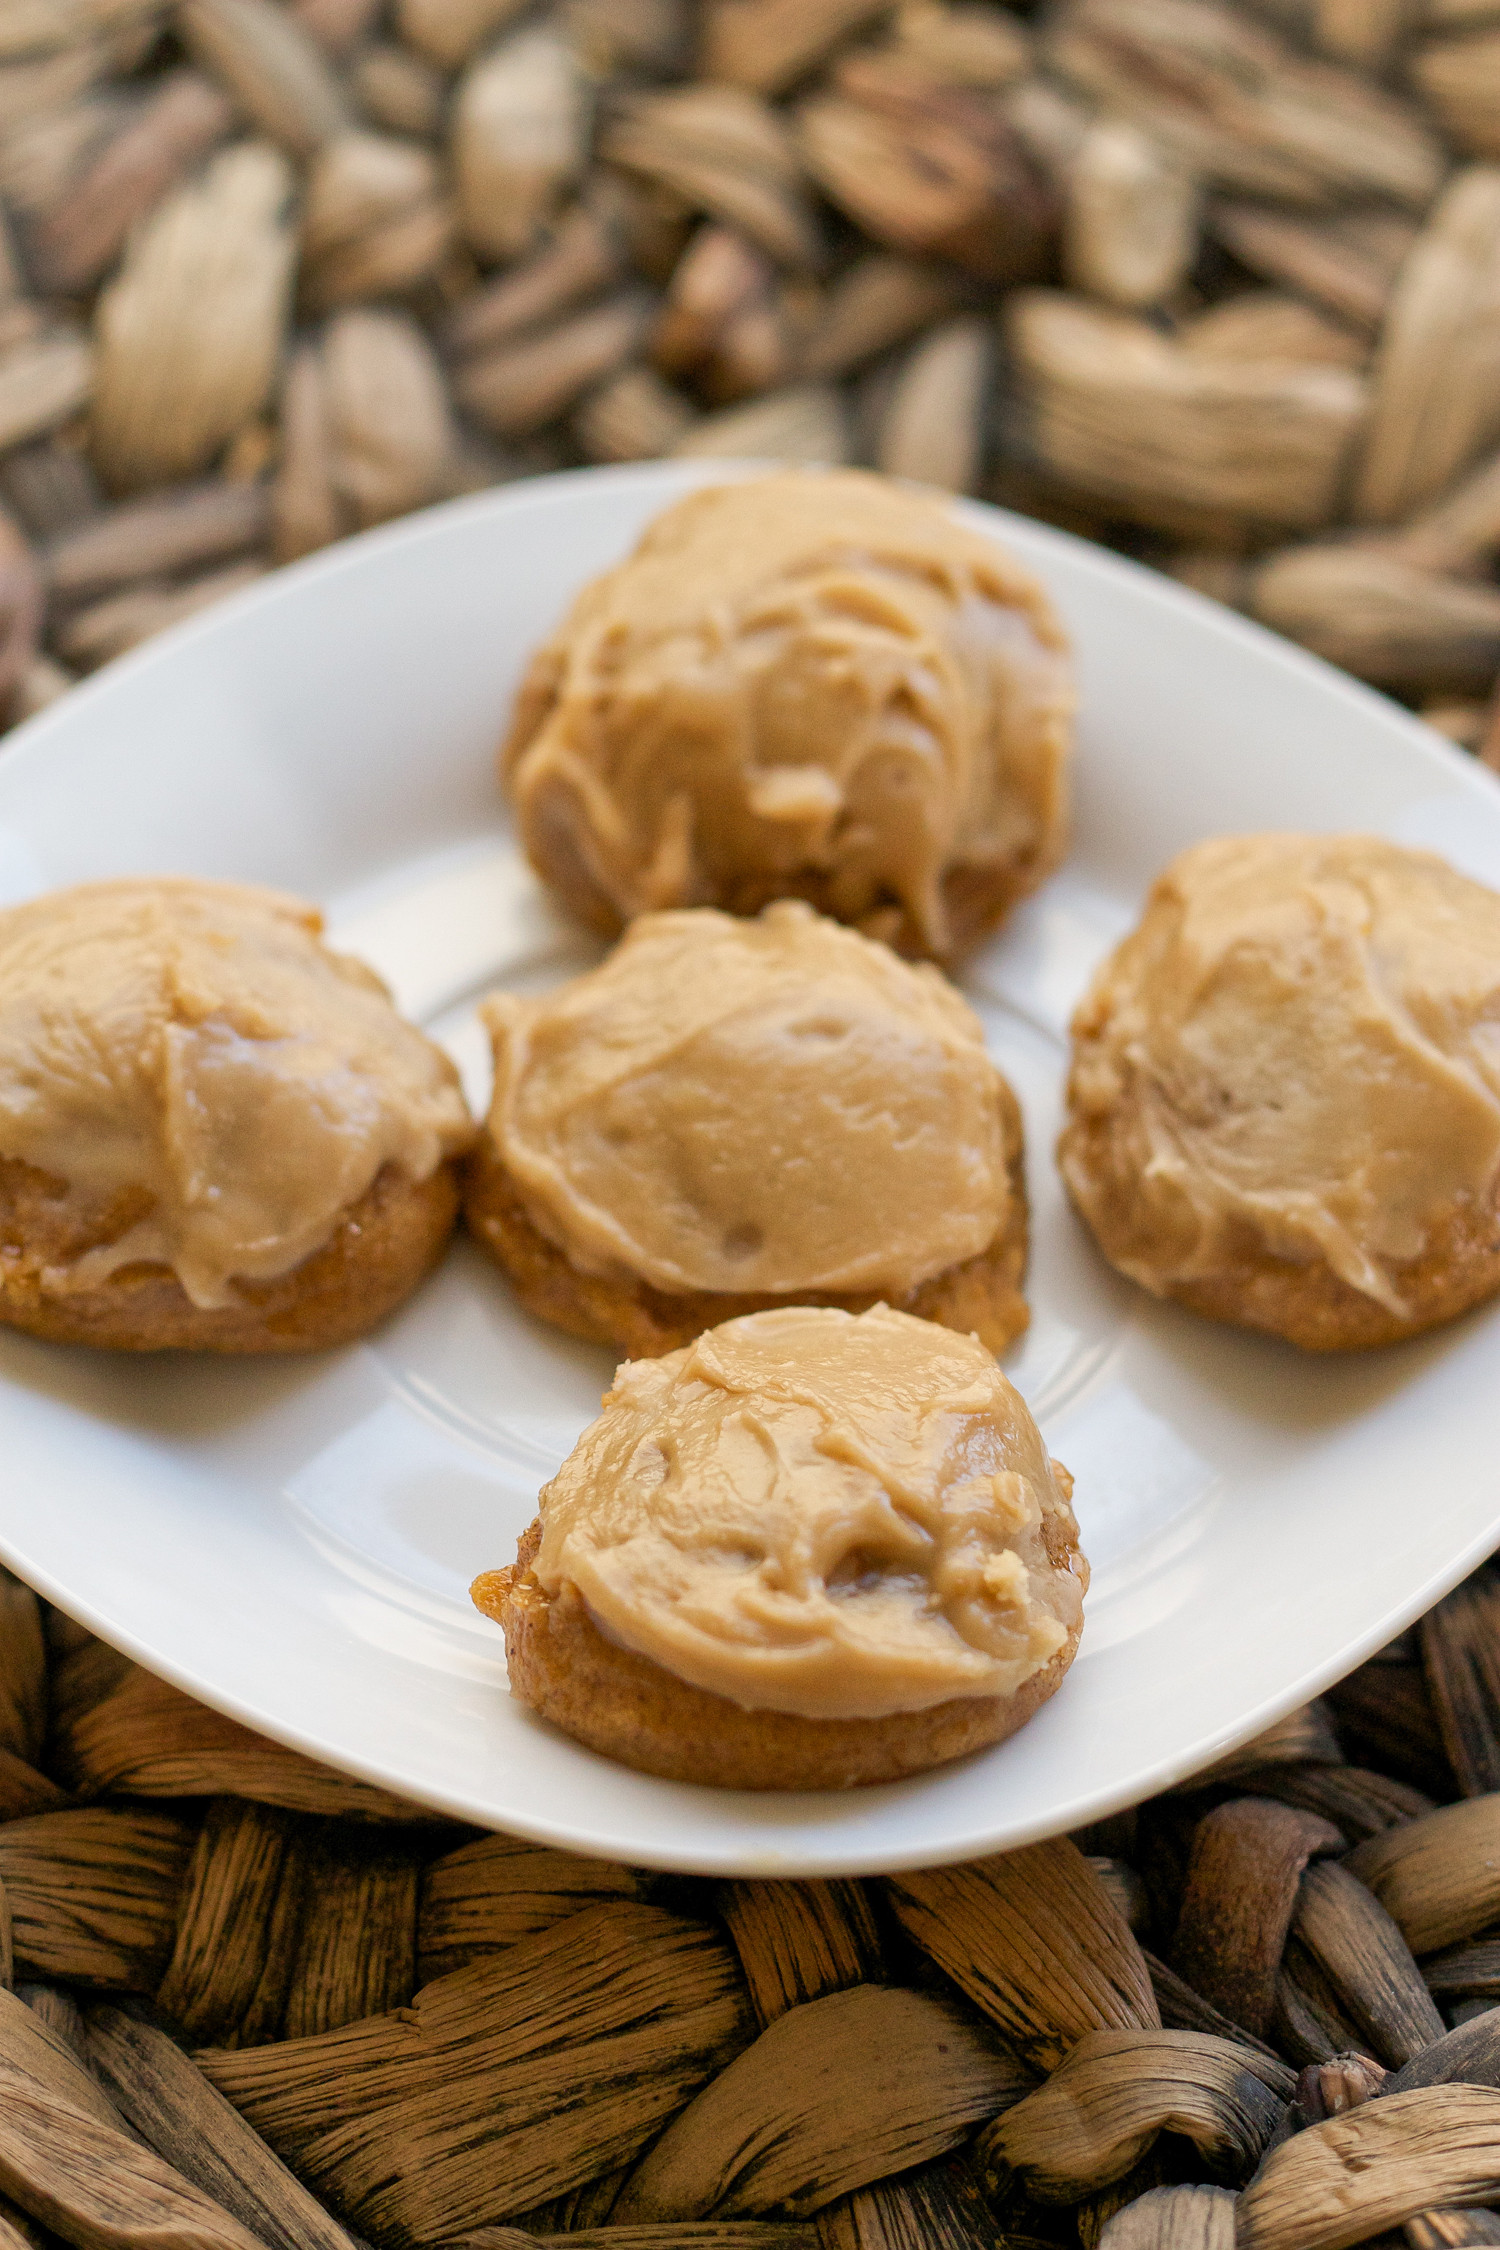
pixel 981 1296
pixel 977 895
pixel 379 1250
pixel 1306 1303
pixel 1319 1311
pixel 627 1708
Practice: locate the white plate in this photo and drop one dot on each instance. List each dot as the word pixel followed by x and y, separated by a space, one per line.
pixel 292 1543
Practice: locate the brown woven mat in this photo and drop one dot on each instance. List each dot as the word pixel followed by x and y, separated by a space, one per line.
pixel 246 2001
pixel 1212 282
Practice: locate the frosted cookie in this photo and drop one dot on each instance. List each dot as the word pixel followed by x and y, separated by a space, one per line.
pixel 729 1115
pixel 1284 1106
pixel 815 685
pixel 811 1550
pixel 214 1131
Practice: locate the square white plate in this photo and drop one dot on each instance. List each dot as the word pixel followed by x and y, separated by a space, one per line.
pixel 293 1542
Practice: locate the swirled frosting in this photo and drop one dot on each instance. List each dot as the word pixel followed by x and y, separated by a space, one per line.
pixel 816 684
pixel 815 1512
pixel 764 1106
pixel 1302 1038
pixel 195 1041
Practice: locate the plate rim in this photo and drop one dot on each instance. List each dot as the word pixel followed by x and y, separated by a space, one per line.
pixel 1167 1774
pixel 32 740
pixel 342 555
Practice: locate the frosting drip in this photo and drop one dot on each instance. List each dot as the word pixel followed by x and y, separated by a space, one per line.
pixel 811 1512
pixel 194 1043
pixel 813 683
pixel 1302 1036
pixel 772 1106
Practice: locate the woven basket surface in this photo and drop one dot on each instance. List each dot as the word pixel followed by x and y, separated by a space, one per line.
pixel 249 2001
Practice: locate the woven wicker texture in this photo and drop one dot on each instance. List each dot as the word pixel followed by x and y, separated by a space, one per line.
pixel 245 2001
pixel 1211 280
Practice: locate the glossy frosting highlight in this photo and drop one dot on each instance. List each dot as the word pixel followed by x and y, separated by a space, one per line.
pixel 814 1512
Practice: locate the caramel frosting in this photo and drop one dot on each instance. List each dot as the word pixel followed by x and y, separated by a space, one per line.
pixel 815 1512
pixel 194 1043
pixel 772 1106
pixel 814 684
pixel 1301 1037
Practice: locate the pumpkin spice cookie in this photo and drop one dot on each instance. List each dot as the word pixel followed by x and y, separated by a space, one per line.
pixel 816 685
pixel 1284 1106
pixel 215 1133
pixel 729 1115
pixel 809 1551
